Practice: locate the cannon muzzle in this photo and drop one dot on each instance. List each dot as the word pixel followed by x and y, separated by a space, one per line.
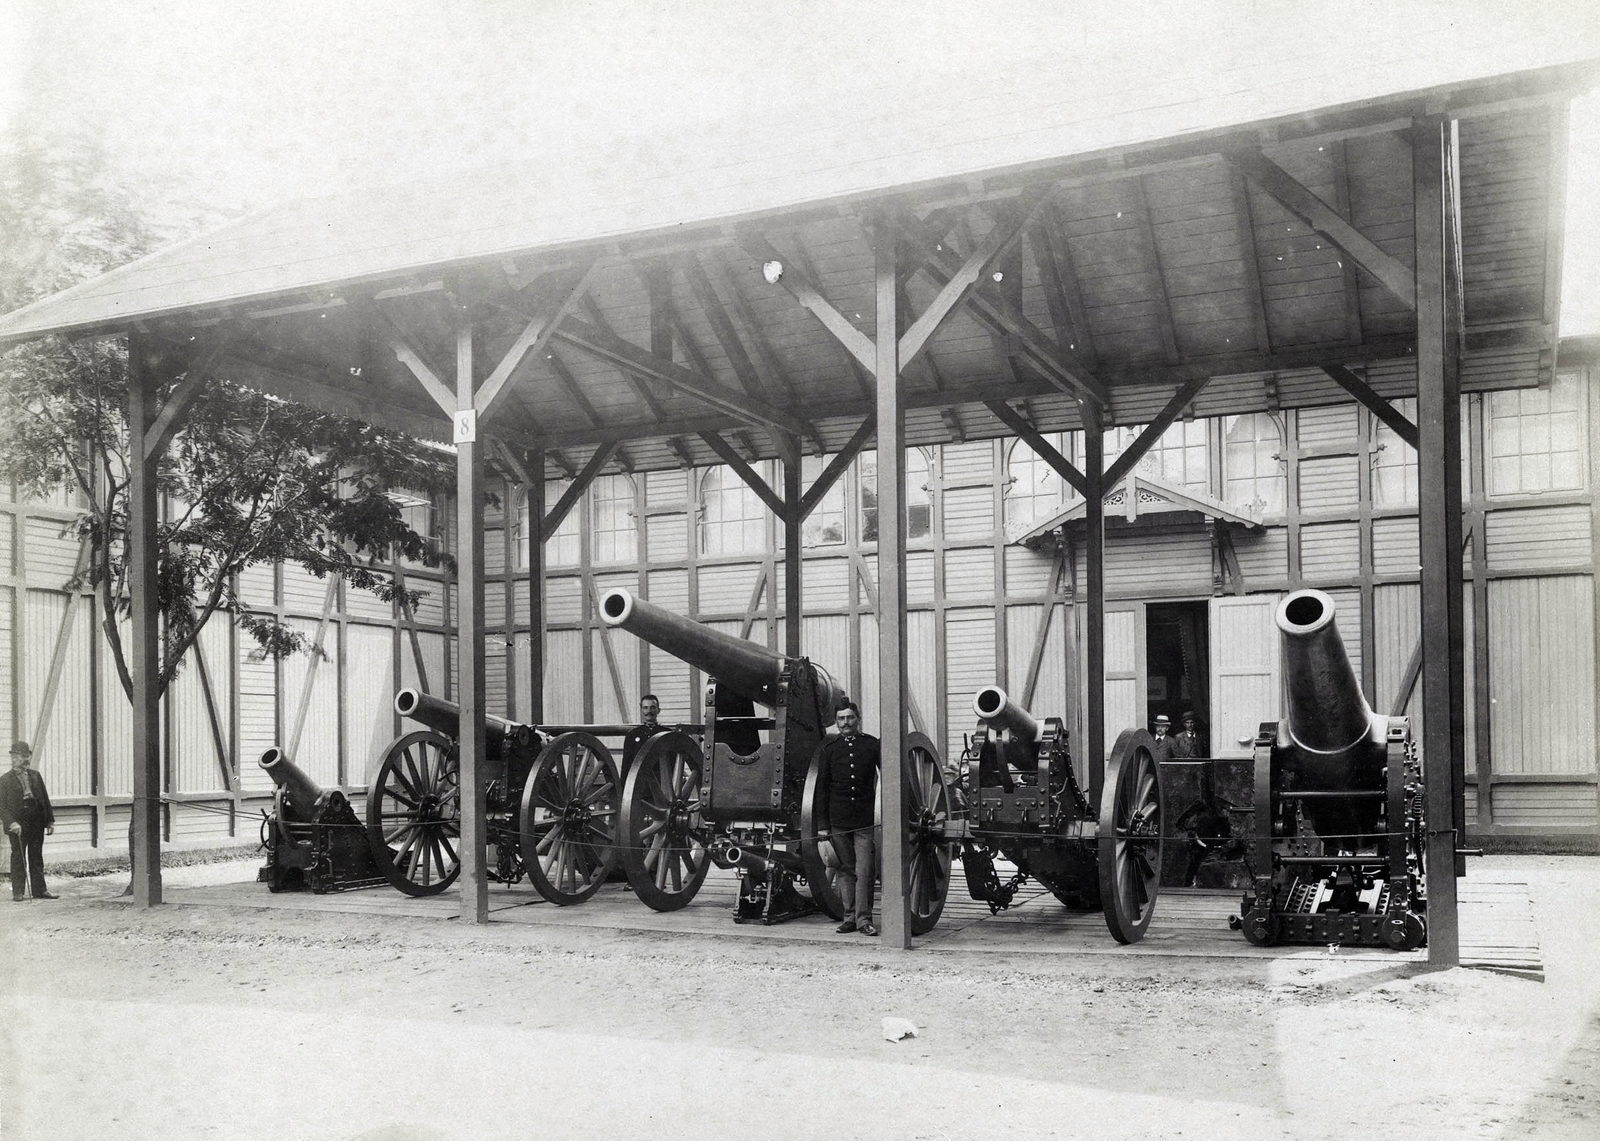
pixel 992 704
pixel 1327 714
pixel 756 863
pixel 300 791
pixel 741 666
pixel 445 717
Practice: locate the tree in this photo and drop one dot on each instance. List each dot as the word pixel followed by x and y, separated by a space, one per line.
pixel 250 479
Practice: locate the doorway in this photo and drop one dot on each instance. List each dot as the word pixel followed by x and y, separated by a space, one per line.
pixel 1177 663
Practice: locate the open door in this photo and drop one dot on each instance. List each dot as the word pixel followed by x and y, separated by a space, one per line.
pixel 1246 686
pixel 1126 679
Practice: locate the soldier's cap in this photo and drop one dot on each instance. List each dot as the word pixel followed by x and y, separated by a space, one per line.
pixel 21 749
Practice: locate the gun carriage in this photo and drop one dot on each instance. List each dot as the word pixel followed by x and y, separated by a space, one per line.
pixel 740 802
pixel 551 798
pixel 1336 844
pixel 313 838
pixel 1024 803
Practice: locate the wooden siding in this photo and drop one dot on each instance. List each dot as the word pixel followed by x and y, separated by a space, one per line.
pixel 1542 676
pixel 1330 552
pixel 1540 539
pixel 974 618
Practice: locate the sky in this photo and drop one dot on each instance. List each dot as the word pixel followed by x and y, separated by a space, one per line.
pixel 212 108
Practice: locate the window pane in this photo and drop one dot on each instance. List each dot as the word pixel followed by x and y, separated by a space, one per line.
pixel 733 520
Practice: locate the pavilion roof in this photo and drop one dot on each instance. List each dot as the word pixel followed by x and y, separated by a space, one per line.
pixel 1160 247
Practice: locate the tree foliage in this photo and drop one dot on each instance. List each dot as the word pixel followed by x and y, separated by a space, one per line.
pixel 249 480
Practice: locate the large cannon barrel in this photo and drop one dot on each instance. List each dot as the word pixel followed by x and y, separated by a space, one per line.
pixel 1327 713
pixel 992 704
pixel 747 669
pixel 300 790
pixel 445 717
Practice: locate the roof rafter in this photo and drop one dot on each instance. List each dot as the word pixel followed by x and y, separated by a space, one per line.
pixel 607 346
pixel 1391 272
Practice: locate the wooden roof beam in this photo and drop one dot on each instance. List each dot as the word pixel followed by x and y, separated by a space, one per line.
pixel 1125 463
pixel 1042 447
pixel 793 277
pixel 607 346
pixel 1379 407
pixel 1147 235
pixel 838 465
pixel 1251 261
pixel 533 338
pixel 1062 369
pixel 963 279
pixel 748 474
pixel 1059 278
pixel 1351 294
pixel 1393 274
pixel 579 485
pixel 569 385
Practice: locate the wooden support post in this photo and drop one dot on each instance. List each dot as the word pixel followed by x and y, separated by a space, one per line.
pixel 143 380
pixel 469 644
pixel 534 714
pixel 793 495
pixel 1094 662
pixel 892 682
pixel 1438 423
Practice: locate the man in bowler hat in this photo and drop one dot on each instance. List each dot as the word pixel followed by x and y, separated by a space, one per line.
pixel 26 816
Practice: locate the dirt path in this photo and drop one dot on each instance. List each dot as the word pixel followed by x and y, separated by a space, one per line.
pixel 231 1022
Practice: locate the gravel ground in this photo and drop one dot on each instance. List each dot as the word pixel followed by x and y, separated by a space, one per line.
pixel 211 1022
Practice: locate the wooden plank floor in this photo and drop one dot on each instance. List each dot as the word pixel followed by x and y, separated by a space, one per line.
pixel 1497 925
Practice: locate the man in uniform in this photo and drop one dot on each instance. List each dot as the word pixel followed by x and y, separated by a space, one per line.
pixel 26 816
pixel 1163 744
pixel 1188 743
pixel 649 710
pixel 847 780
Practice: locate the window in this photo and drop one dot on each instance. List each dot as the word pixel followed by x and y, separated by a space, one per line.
pixel 561 549
pixel 613 532
pixel 919 502
pixel 1394 462
pixel 1181 457
pixel 824 527
pixel 1534 438
pixel 1034 491
pixel 421 515
pixel 1252 470
pixel 733 520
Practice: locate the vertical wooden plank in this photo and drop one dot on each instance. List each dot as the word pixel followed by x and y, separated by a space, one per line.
pixel 1438 411
pixel 143 380
pixel 1094 664
pixel 1483 711
pixel 470 660
pixel 792 554
pixel 892 682
pixel 534 714
pixel 1454 334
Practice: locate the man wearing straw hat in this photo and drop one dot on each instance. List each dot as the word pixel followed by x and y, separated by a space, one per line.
pixel 26 816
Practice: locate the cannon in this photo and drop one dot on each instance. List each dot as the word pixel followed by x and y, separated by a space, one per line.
pixel 312 837
pixel 1336 841
pixel 1024 803
pixel 551 802
pixel 741 802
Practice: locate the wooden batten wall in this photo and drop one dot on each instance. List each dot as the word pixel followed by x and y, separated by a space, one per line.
pixel 981 611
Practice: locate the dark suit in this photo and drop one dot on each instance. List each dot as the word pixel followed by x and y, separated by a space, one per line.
pixel 24 802
pixel 631 744
pixel 847 778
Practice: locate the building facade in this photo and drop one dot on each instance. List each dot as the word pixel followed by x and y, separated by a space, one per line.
pixel 1254 506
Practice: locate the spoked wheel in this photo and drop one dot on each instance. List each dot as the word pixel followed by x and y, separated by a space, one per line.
pixel 663 837
pixel 569 818
pixel 813 854
pixel 927 800
pixel 1130 836
pixel 414 814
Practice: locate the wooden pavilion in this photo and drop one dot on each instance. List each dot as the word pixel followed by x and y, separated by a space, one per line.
pixel 1035 267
